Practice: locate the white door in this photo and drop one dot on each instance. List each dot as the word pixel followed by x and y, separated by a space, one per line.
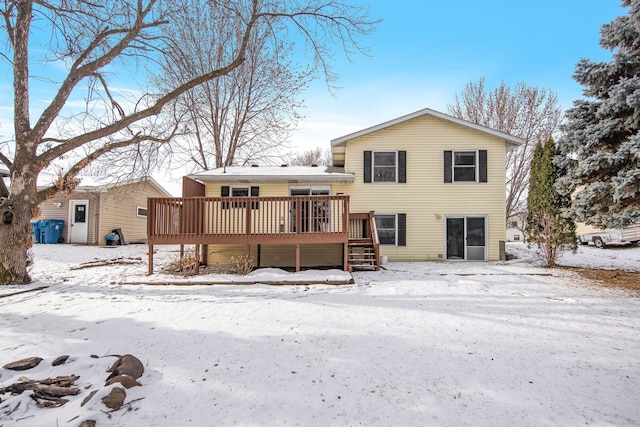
pixel 79 221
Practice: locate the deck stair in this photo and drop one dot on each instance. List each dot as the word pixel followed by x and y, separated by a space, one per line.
pixel 362 255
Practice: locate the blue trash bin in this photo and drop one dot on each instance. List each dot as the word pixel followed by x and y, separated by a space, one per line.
pixel 35 231
pixel 50 230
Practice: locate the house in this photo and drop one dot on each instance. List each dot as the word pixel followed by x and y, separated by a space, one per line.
pixel 425 186
pixel 99 205
pixel 516 225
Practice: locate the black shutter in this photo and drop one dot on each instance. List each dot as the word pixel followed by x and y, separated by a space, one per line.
pixel 448 157
pixel 402 229
pixel 482 161
pixel 402 167
pixel 224 192
pixel 255 192
pixel 367 166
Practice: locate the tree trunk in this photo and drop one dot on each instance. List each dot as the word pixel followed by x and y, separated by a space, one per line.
pixel 16 213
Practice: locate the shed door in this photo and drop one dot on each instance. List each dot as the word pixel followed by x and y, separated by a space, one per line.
pixel 79 230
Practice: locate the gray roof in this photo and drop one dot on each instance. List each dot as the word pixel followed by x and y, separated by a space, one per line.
pixel 274 175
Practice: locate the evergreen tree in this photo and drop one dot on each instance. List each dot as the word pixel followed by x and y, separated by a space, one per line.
pixel 547 225
pixel 601 144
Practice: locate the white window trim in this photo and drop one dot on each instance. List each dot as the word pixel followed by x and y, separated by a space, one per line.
pixel 395 222
pixel 138 211
pixel 476 165
pixel 311 188
pixel 373 167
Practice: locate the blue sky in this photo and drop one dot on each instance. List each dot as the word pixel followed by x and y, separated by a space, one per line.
pixel 425 52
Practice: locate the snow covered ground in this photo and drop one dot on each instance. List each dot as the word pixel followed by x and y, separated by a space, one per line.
pixel 455 344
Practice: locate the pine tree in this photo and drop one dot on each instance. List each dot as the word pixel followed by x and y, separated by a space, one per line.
pixel 547 225
pixel 601 143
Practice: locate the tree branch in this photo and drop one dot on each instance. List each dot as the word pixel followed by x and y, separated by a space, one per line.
pixel 73 143
pixel 79 70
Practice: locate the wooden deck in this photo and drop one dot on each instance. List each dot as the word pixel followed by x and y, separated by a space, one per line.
pixel 294 220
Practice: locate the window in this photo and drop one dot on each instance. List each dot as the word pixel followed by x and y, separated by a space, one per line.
pixel 239 192
pixel 465 166
pixel 385 166
pixel 226 191
pixel 516 237
pixel 392 229
pixel 141 211
pixel 386 225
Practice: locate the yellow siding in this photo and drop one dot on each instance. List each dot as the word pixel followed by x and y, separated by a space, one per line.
pixel 220 255
pixel 425 198
pixel 118 209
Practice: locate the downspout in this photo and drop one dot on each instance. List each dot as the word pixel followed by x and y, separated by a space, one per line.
pixel 96 222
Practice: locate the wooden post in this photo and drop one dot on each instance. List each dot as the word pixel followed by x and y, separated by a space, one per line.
pixel 298 217
pixel 197 258
pixel 297 257
pixel 150 260
pixel 345 256
pixel 205 254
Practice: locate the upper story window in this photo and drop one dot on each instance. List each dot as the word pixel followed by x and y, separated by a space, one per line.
pixel 465 166
pixel 385 166
pixel 140 211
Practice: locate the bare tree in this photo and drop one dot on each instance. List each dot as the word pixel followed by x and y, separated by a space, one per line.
pixel 317 156
pixel 244 116
pixel 526 112
pixel 97 41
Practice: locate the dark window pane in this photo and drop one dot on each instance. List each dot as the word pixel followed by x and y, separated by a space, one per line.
pixel 80 214
pixel 465 158
pixel 475 232
pixel 142 212
pixel 386 221
pixel 464 173
pixel 384 174
pixel 387 237
pixel 240 192
pixel 384 159
pixel 455 238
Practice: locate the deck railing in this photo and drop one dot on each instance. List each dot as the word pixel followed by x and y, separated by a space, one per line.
pixel 250 220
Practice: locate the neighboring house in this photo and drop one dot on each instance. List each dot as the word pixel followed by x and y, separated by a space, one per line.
pixel 435 185
pixel 516 225
pixel 100 205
